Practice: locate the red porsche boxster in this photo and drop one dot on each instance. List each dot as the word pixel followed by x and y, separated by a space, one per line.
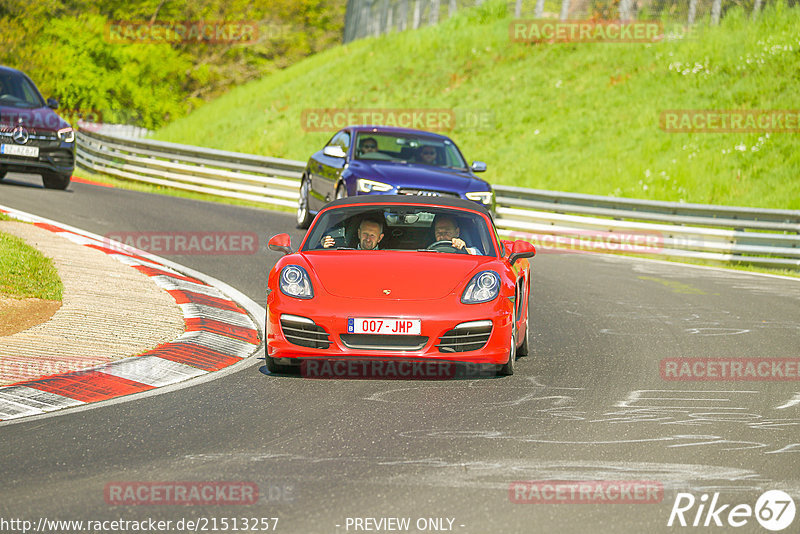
pixel 402 279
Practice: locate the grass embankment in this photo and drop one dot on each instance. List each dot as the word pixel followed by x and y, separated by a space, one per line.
pixel 25 272
pixel 571 117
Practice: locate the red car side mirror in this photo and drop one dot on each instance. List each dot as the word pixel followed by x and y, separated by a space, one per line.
pixel 280 243
pixel 521 249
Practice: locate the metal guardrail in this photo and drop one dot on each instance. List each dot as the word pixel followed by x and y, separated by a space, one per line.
pixel 203 170
pixel 554 221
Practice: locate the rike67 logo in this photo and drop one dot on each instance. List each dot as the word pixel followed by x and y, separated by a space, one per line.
pixel 774 510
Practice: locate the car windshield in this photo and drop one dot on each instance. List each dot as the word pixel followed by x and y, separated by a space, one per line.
pixel 405 228
pixel 414 149
pixel 17 91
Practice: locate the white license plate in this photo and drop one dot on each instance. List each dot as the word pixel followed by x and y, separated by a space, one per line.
pixel 16 150
pixel 384 325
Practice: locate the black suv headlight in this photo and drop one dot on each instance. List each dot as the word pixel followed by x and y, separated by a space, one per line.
pixel 66 135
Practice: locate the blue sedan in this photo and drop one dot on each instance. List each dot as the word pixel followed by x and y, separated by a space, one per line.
pixel 370 160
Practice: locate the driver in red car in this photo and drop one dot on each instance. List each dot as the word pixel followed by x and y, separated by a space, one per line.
pixel 370 233
pixel 446 228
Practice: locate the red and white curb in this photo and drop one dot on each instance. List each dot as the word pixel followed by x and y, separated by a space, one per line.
pixel 219 333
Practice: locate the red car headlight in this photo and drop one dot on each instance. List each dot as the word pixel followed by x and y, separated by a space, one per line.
pixel 483 287
pixel 294 282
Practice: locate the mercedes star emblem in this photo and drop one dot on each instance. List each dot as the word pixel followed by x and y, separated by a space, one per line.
pixel 20 135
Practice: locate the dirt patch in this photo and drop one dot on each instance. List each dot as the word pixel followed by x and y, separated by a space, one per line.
pixel 17 315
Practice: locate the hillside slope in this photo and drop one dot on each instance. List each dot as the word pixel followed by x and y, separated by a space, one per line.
pixel 580 117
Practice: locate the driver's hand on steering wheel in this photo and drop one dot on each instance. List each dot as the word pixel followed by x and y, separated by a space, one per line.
pixel 458 243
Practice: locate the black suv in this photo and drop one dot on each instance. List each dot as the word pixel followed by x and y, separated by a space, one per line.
pixel 33 138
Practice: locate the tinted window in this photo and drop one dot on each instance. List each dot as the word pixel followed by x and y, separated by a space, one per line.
pixel 341 139
pixel 17 91
pixel 415 149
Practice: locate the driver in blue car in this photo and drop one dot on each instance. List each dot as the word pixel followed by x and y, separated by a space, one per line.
pixel 445 228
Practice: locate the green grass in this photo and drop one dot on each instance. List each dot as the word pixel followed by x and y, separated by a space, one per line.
pixel 25 272
pixel 568 117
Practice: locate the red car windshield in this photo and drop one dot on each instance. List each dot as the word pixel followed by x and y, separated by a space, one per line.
pixel 404 228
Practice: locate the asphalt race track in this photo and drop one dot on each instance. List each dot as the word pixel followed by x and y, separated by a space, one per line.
pixel 589 403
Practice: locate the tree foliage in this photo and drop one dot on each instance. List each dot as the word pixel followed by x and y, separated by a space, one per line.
pixel 64 46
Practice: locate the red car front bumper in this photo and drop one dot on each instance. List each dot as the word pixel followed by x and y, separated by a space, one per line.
pixel 292 322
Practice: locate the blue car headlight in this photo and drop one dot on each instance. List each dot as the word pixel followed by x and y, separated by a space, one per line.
pixel 484 197
pixel 368 186
pixel 483 287
pixel 294 282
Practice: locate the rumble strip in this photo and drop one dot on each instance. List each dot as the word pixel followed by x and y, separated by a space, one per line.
pixel 218 333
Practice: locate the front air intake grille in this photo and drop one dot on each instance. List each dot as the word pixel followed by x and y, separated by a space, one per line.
pixel 426 193
pixel 383 342
pixel 304 332
pixel 59 158
pixel 466 337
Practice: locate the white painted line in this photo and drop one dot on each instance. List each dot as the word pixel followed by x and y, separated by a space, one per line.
pixel 19 401
pixel 152 370
pixel 223 344
pixel 80 239
pixel 199 311
pixel 169 283
pixel 127 260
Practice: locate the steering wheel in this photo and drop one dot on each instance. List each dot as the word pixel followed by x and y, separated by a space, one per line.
pixel 446 246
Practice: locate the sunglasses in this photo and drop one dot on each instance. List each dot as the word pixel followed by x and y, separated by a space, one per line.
pixel 369 146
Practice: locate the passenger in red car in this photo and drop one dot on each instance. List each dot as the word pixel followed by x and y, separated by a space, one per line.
pixel 370 233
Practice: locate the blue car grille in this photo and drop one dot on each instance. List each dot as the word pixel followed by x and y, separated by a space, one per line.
pixel 427 193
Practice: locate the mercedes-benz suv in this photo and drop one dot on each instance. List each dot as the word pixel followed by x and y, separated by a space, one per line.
pixel 33 138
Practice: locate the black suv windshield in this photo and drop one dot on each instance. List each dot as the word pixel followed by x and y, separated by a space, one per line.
pixel 17 91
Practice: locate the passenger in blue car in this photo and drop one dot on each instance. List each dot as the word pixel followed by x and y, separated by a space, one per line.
pixel 368 144
pixel 427 155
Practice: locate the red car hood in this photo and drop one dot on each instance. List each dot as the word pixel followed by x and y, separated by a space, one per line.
pixel 407 275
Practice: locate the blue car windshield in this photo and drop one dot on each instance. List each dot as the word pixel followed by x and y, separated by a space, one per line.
pixel 403 228
pixel 413 149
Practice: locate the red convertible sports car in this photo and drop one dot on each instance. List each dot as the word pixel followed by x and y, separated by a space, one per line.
pixel 402 279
